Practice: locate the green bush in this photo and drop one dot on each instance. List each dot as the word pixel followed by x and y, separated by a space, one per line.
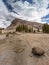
pixel 23 28
pixel 30 29
pixel 7 35
pixel 0 31
pixel 19 28
pixel 34 31
pixel 38 30
pixel 45 28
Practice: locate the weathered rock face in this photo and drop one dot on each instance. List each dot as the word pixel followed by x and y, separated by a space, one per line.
pixel 38 51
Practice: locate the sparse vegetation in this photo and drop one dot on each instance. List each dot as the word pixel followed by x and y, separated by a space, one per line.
pixel 30 29
pixel 38 30
pixel 0 31
pixel 23 28
pixel 7 35
pixel 45 28
pixel 34 31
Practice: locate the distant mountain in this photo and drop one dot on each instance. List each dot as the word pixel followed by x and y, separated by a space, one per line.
pixel 17 22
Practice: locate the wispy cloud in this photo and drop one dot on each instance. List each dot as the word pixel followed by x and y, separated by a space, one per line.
pixel 31 12
pixel 34 11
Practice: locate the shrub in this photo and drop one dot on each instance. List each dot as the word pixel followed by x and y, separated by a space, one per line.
pixel 18 28
pixel 0 31
pixel 24 28
pixel 38 30
pixel 30 29
pixel 34 31
pixel 45 28
pixel 7 35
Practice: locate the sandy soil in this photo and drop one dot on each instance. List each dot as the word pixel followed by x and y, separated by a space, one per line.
pixel 16 49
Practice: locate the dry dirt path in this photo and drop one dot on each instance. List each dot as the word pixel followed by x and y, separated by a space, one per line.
pixel 8 47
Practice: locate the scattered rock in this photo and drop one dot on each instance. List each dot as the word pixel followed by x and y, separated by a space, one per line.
pixel 7 35
pixel 38 51
pixel 30 55
pixel 19 50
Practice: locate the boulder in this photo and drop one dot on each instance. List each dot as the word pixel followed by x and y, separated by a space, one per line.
pixel 38 51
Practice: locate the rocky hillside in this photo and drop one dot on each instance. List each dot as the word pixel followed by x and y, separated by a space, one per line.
pixel 17 21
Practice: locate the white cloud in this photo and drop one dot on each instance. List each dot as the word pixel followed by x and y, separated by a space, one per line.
pixel 25 10
pixel 31 12
pixel 5 16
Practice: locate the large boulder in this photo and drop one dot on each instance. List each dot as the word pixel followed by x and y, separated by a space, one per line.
pixel 38 51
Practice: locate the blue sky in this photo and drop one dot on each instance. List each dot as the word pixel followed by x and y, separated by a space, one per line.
pixel 30 1
pixel 30 10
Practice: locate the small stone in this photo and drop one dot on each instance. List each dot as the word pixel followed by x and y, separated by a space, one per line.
pixel 7 35
pixel 38 51
pixel 18 50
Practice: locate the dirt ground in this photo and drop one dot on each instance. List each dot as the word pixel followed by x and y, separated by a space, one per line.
pixel 16 49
